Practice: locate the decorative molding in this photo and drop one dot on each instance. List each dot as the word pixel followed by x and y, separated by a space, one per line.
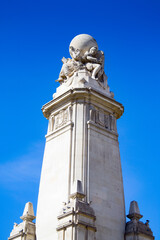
pixel 91 95
pixel 59 131
pixel 99 129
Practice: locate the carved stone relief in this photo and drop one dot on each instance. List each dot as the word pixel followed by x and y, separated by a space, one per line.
pixel 105 120
pixel 100 118
pixel 59 119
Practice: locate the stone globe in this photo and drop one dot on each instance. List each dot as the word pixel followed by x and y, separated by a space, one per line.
pixel 82 43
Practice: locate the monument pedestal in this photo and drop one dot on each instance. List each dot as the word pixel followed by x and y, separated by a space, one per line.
pixel 82 145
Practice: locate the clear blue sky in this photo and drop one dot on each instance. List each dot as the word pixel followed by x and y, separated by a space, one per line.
pixel 34 36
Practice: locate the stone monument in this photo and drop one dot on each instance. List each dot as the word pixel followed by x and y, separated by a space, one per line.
pixel 81 188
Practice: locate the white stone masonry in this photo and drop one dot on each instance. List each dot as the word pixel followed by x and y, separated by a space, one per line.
pixel 82 148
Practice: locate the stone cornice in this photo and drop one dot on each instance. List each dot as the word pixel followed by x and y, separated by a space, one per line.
pixel 89 95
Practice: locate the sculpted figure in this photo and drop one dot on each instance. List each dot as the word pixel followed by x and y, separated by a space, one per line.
pixel 75 53
pixel 68 69
pixel 70 66
pixel 84 55
pixel 95 59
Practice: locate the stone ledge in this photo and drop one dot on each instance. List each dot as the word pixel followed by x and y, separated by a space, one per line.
pixel 79 222
pixel 108 133
pixel 59 131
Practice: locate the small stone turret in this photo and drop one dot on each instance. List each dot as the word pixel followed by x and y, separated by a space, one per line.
pixel 136 229
pixel 26 229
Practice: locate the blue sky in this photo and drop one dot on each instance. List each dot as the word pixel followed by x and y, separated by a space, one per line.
pixel 34 36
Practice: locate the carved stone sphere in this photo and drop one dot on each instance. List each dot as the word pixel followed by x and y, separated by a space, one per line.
pixel 82 43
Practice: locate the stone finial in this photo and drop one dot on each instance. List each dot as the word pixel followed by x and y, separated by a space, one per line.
pixel 26 229
pixel 28 213
pixel 134 212
pixel 136 229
